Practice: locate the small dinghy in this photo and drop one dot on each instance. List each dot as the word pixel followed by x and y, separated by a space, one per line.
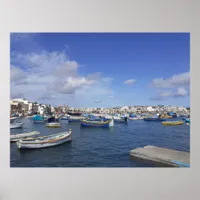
pixel 16 125
pixel 168 123
pixel 16 137
pixel 45 141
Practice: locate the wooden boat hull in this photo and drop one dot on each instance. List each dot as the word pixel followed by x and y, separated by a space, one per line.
pixel 53 125
pixel 171 123
pixel 16 137
pixel 155 119
pixel 105 124
pixel 136 118
pixel 48 141
pixel 75 119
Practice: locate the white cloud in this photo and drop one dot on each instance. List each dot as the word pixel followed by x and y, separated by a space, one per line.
pixel 70 85
pixel 111 97
pixel 107 79
pixel 130 81
pixel 16 74
pixel 175 81
pixel 69 68
pixel 94 76
pixel 98 101
pixel 179 92
pixel 55 73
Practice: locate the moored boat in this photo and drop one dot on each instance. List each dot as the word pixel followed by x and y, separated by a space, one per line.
pixel 53 125
pixel 168 123
pixel 117 119
pixel 136 118
pixel 64 118
pixel 155 119
pixel 121 120
pixel 105 123
pixel 16 125
pixel 16 137
pixel 12 119
pixel 45 141
pixel 38 119
pixel 75 118
pixel 187 120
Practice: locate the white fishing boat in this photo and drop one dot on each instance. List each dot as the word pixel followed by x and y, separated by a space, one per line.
pixel 75 118
pixel 45 141
pixel 16 125
pixel 16 137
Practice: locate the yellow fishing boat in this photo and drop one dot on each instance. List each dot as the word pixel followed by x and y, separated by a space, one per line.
pixel 172 123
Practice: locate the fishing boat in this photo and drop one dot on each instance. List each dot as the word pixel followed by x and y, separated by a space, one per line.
pixel 121 120
pixel 98 122
pixel 187 120
pixel 16 125
pixel 117 118
pixel 136 118
pixel 45 141
pixel 75 118
pixel 12 119
pixel 168 123
pixel 155 119
pixel 38 119
pixel 16 137
pixel 52 123
pixel 64 118
pixel 74 113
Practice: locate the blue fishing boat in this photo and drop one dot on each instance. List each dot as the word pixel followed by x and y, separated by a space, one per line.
pixel 97 122
pixel 38 119
pixel 121 120
pixel 187 120
pixel 155 119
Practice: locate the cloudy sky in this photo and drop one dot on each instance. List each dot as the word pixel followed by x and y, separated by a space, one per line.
pixel 101 70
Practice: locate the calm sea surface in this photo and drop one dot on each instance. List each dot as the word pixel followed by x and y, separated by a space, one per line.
pixel 98 147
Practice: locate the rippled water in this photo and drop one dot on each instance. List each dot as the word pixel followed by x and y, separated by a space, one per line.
pixel 100 147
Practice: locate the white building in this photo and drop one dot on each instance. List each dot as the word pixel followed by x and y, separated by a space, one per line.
pixel 52 109
pixel 124 108
pixel 150 109
pixel 30 106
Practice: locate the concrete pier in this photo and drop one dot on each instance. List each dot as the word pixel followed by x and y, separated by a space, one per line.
pixel 166 157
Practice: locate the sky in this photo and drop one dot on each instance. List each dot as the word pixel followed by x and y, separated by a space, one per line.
pixel 101 69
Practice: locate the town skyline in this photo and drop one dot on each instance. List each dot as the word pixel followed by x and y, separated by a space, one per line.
pixel 63 105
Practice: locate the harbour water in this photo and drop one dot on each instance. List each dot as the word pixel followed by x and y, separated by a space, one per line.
pixel 99 147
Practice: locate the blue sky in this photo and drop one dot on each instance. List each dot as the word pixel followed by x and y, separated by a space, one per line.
pixel 101 69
